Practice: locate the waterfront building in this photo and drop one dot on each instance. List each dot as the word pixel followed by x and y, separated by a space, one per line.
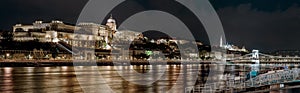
pixel 57 39
pixel 231 47
pixel 50 36
pixel 80 35
pixel 229 51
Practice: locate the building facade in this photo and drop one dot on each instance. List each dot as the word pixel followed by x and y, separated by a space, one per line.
pixel 81 35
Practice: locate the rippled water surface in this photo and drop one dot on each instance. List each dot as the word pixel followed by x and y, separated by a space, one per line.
pixel 101 78
pixel 63 79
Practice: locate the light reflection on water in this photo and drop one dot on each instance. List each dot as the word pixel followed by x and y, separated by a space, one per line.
pixel 63 79
pixel 40 80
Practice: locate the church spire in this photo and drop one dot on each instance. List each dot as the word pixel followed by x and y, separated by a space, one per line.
pixel 111 19
pixel 111 16
pixel 221 42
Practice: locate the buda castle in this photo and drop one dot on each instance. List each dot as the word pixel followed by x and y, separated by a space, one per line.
pixel 81 35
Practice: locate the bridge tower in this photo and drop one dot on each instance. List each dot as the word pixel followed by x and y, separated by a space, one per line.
pixel 255 54
pixel 255 59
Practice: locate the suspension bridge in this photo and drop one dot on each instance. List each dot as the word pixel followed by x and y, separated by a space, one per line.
pixel 273 79
pixel 264 58
pixel 267 81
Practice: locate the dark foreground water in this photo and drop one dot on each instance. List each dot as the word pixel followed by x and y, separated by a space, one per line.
pixel 103 78
pixel 63 79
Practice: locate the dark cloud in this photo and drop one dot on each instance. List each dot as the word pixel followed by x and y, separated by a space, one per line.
pixel 259 5
pixel 262 30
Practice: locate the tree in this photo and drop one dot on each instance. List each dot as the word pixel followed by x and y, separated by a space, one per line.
pixel 202 54
pixel 8 36
pixel 54 50
pixel 7 40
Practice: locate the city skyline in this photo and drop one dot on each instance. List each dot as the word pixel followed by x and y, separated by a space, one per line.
pixel 150 46
pixel 263 25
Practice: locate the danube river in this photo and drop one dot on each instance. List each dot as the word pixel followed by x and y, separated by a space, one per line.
pixel 101 78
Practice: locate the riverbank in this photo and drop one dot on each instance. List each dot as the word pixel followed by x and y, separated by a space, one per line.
pixel 46 63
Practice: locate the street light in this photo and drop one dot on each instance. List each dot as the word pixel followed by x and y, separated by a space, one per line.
pixel 7 55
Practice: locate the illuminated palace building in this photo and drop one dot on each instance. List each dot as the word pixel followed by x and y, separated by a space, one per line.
pixel 59 40
pixel 57 31
pixel 87 35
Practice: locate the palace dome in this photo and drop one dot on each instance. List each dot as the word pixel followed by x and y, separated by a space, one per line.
pixel 111 20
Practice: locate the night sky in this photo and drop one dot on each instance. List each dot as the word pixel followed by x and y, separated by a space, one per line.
pixel 267 25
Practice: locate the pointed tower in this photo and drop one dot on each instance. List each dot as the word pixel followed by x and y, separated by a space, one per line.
pixel 244 49
pixel 221 42
pixel 111 23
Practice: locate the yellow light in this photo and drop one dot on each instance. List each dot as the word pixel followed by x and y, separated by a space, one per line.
pixel 7 54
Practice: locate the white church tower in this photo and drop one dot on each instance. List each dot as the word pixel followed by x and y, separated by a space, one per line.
pixel 221 42
pixel 111 23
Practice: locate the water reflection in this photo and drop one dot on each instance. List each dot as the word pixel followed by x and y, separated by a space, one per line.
pixel 63 79
pixel 7 79
pixel 40 80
